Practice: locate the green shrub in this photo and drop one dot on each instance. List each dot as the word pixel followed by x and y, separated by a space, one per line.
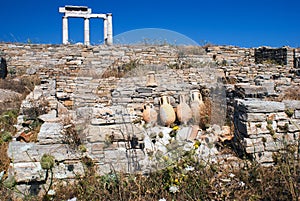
pixel 47 162
pixel 6 136
pixel 289 112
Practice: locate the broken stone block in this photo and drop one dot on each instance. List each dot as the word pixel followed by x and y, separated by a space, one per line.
pixel 51 133
pixel 49 117
pixel 27 171
pixel 260 106
pixel 27 152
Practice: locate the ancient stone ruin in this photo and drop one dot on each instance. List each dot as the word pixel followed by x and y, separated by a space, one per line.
pixel 94 102
pixel 86 13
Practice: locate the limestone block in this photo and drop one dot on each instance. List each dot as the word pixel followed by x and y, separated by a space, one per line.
pixel 280 116
pixel 31 71
pixel 101 111
pixel 116 156
pixel 61 95
pixel 256 128
pixel 50 133
pixel 106 168
pixel 279 136
pixel 256 117
pixel 83 112
pixel 297 114
pixel 248 142
pixel 68 170
pixel 255 149
pixel 118 132
pixel 294 126
pixel 247 90
pixel 292 104
pixel 259 106
pixel 29 152
pixel 96 134
pixel 98 148
pixel 274 146
pixel 27 171
pixel 49 117
pixel 264 157
pixel 268 138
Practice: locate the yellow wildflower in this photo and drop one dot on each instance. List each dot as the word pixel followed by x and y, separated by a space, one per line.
pixel 175 128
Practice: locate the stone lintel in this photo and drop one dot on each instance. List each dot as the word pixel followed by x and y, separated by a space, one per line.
pixel 75 9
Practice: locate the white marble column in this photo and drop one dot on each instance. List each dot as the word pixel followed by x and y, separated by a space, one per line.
pixel 109 29
pixel 65 30
pixel 105 30
pixel 86 31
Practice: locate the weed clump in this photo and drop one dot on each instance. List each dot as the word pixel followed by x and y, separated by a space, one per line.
pixel 47 162
pixel 120 71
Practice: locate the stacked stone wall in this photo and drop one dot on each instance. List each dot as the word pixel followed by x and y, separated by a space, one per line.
pixel 266 128
pixel 103 108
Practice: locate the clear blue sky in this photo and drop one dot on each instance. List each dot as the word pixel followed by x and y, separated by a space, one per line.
pixel 242 23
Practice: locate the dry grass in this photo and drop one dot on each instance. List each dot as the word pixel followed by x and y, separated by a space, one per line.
pixel 191 50
pixel 4 161
pixel 292 93
pixel 23 85
pixel 190 179
pixel 206 181
pixel 119 71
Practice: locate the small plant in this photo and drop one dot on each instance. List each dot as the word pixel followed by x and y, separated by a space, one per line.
pixel 71 136
pixel 47 162
pixel 258 125
pixel 6 136
pixel 82 148
pixel 7 120
pixel 160 135
pixel 88 162
pixel 285 127
pixel 10 182
pixel 289 112
pixel 291 93
pixel 270 128
pixel 269 122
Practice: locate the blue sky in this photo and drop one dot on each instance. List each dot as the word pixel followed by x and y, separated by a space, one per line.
pixel 223 22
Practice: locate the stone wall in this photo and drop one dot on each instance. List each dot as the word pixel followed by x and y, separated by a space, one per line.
pixel 102 109
pixel 276 55
pixel 106 110
pixel 266 127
